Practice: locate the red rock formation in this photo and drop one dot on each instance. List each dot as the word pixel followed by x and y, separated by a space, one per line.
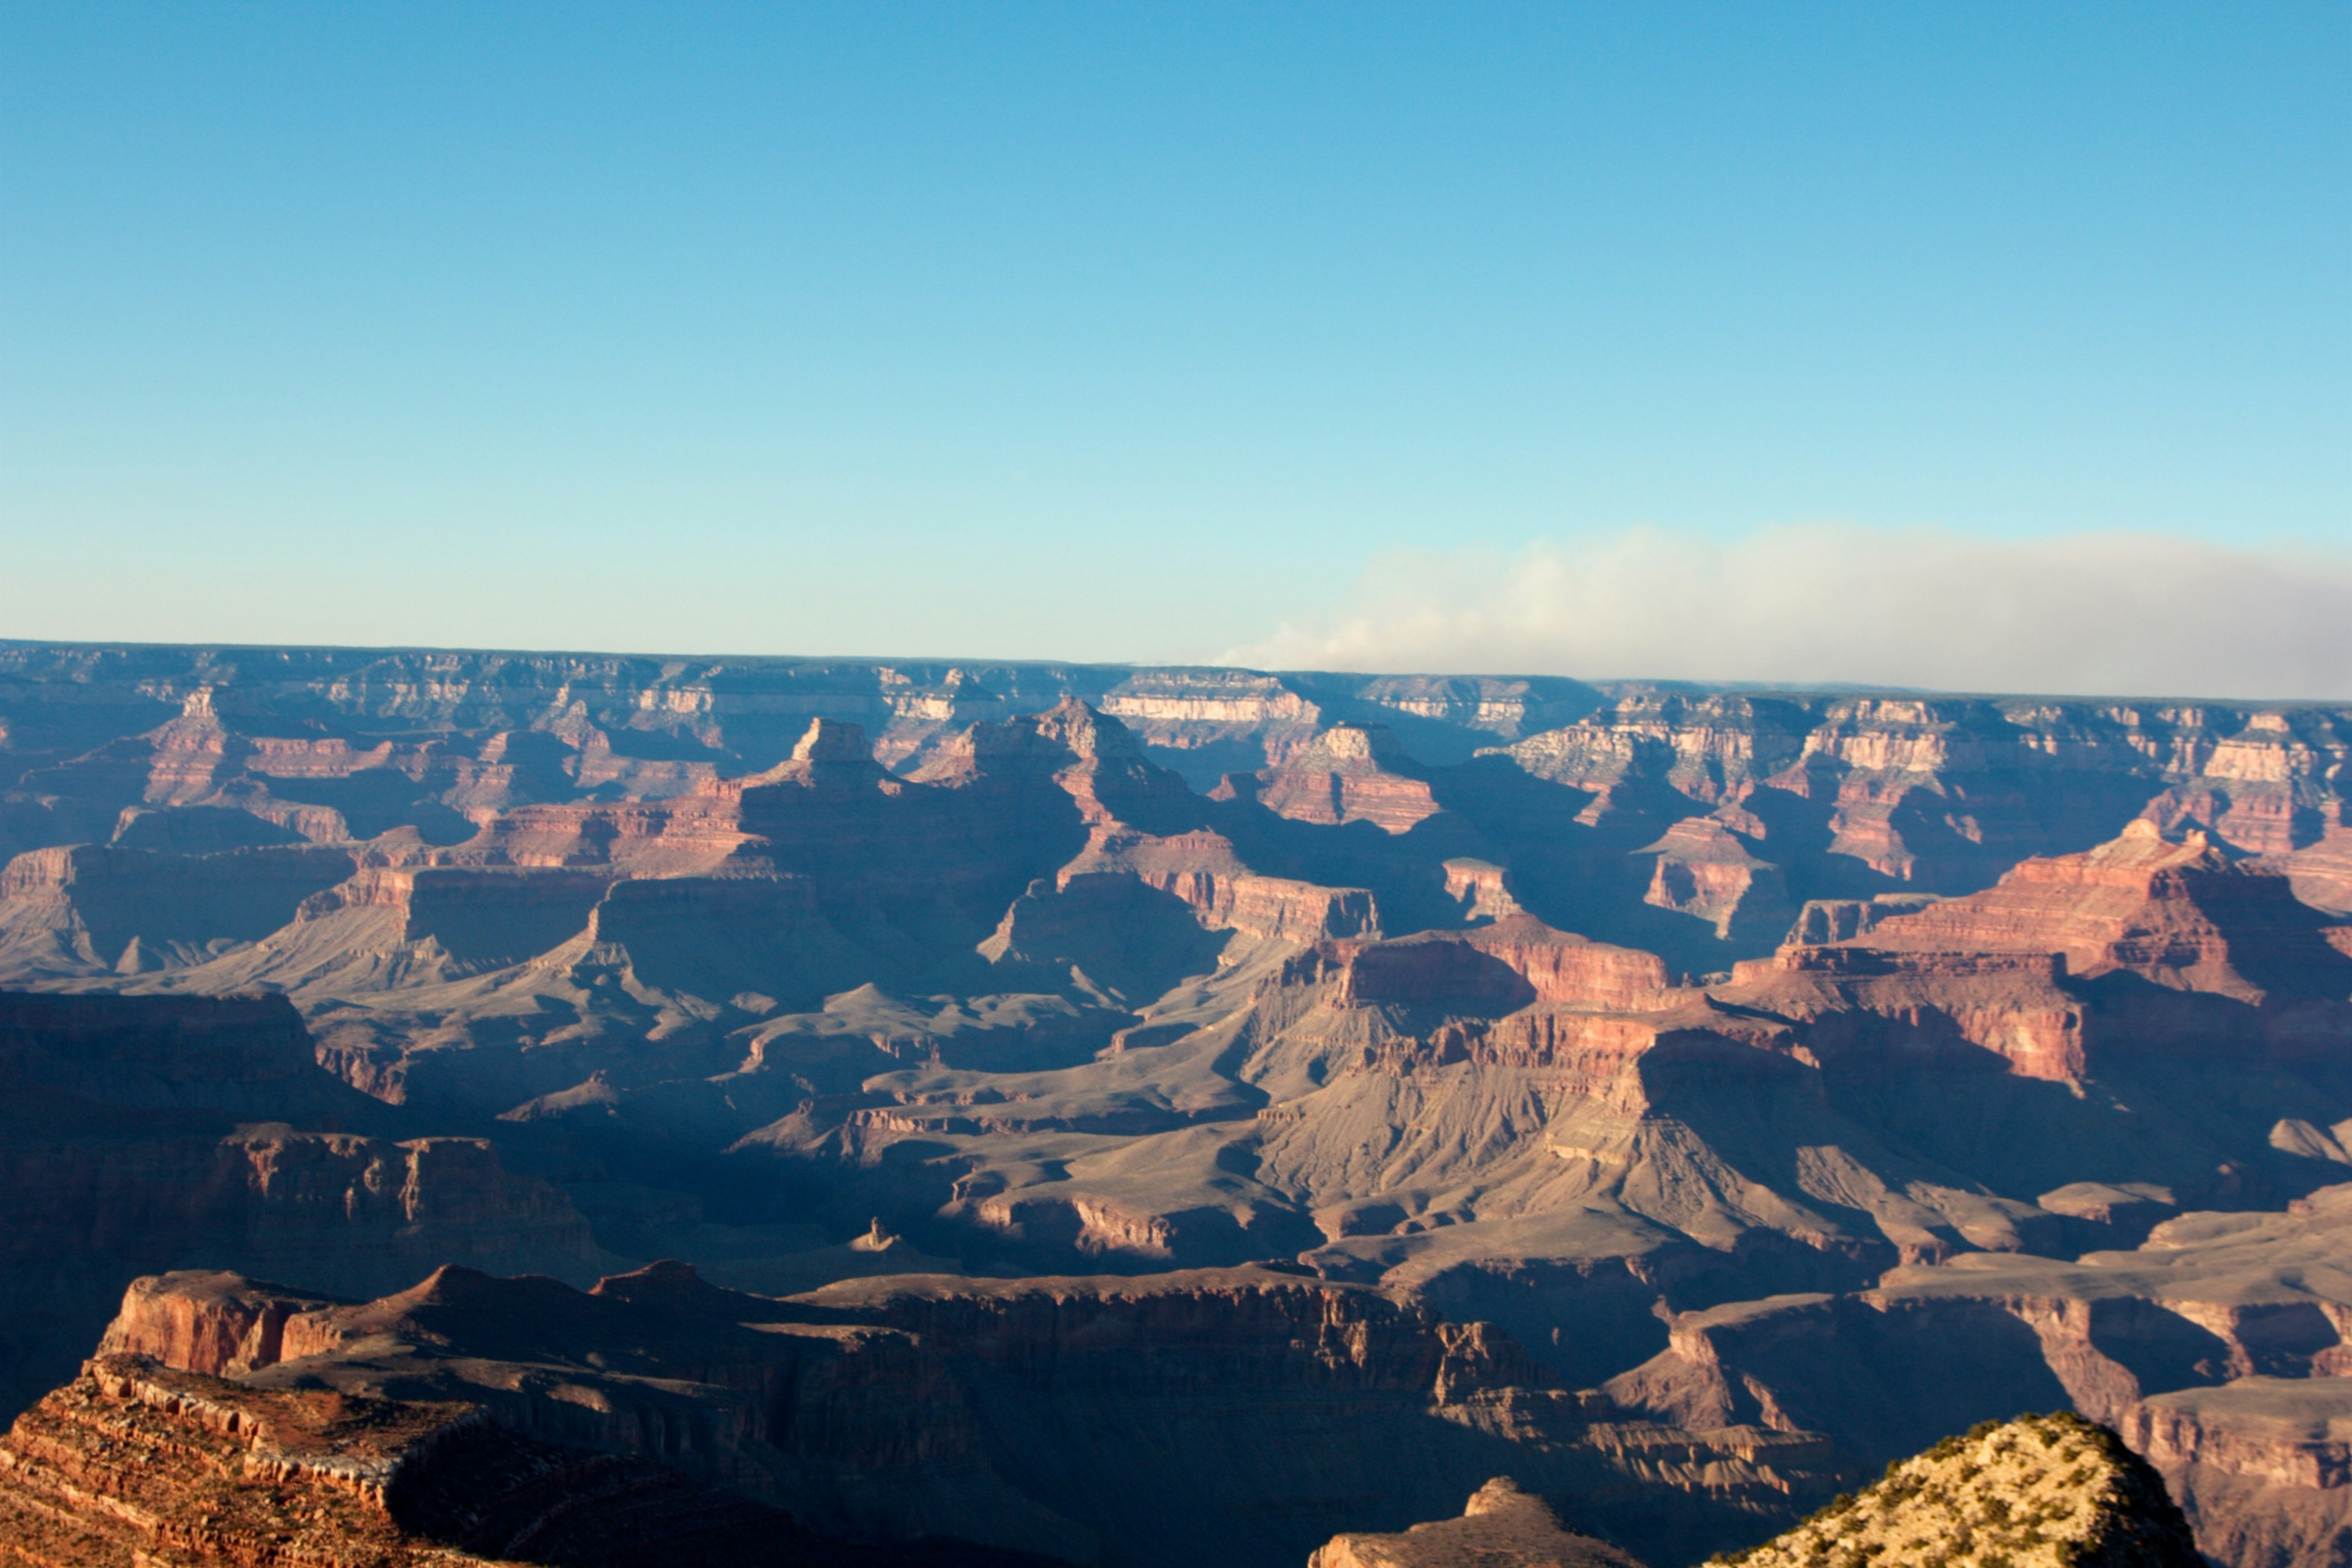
pixel 205 1322
pixel 1865 1000
pixel 2262 1466
pixel 2180 914
pixel 1481 888
pixel 1515 962
pixel 2214 1368
pixel 1093 758
pixel 150 1132
pixel 1274 906
pixel 1825 921
pixel 136 1462
pixel 687 834
pixel 2321 873
pixel 1056 1412
pixel 1352 773
pixel 1702 870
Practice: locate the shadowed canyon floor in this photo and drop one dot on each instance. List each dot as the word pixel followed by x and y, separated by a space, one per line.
pixel 1683 1101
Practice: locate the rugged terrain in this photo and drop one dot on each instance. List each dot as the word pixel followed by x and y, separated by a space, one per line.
pixel 1842 1069
pixel 1502 1526
pixel 1092 1420
pixel 2039 1492
pixel 2046 1491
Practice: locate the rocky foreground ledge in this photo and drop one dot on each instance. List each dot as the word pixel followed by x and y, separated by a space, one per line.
pixel 659 1419
pixel 138 1465
pixel 2042 1492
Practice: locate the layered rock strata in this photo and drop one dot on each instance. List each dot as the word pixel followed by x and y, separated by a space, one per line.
pixel 136 1463
pixel 1093 1419
pixel 139 1132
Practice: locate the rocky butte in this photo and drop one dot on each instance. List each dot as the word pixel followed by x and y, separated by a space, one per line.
pixel 1055 1111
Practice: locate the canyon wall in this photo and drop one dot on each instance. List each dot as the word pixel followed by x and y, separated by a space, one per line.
pixel 1734 1055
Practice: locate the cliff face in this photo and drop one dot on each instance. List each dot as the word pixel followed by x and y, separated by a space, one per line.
pixel 2214 1350
pixel 1100 1420
pixel 136 1462
pixel 1946 793
pixel 1350 774
pixel 2180 914
pixel 148 1132
pixel 238 1053
pixel 94 909
pixel 1585 1014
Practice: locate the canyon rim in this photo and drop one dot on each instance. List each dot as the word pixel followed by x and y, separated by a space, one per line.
pixel 782 1109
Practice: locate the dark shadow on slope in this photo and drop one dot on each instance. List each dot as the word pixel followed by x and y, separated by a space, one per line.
pixel 1111 932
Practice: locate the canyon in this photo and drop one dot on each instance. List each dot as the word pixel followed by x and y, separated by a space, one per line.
pixel 1035 1109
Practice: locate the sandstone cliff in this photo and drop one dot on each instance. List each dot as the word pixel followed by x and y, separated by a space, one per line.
pixel 139 1134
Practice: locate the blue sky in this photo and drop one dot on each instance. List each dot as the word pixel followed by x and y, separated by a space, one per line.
pixel 1130 332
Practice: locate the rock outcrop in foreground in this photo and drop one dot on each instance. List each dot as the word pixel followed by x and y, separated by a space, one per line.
pixel 1503 1527
pixel 137 1465
pixel 2054 1490
pixel 1121 1423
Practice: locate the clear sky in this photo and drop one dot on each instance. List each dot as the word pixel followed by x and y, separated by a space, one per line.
pixel 1127 332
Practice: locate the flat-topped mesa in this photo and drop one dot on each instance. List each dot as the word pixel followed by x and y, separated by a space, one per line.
pixel 209 1322
pixel 1202 869
pixel 1351 773
pixel 1275 906
pixel 1518 994
pixel 681 835
pixel 1517 962
pixel 1857 1002
pixel 1247 1325
pixel 2263 1463
pixel 477 916
pixel 2180 914
pixel 1823 920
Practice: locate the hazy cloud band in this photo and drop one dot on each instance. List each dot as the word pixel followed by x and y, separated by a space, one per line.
pixel 2108 613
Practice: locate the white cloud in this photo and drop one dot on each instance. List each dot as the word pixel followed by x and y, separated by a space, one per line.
pixel 2127 614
